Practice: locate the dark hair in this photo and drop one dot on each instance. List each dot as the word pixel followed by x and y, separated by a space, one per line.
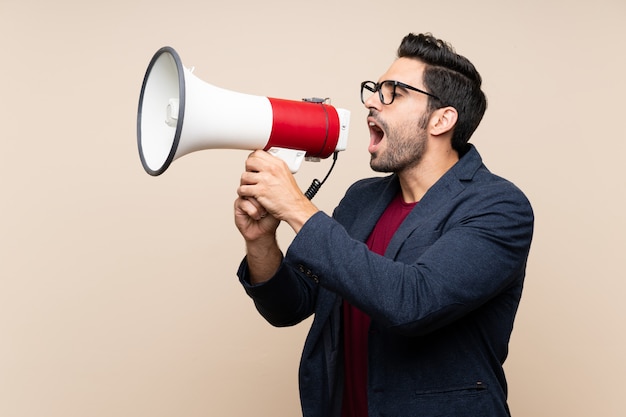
pixel 452 78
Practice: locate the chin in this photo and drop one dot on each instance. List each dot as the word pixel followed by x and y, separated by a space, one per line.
pixel 378 167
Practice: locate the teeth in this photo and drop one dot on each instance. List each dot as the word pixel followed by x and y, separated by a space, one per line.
pixel 372 124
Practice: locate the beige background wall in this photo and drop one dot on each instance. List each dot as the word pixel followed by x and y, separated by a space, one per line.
pixel 118 294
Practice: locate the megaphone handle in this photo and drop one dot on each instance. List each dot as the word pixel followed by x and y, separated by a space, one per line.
pixel 292 157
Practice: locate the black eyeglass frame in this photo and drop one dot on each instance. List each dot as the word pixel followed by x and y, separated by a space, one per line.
pixel 367 85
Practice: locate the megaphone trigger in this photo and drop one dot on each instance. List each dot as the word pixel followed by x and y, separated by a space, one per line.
pixel 292 157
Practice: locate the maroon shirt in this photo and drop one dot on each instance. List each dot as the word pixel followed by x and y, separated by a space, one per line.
pixel 356 323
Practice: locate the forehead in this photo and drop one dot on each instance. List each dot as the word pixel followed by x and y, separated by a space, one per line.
pixel 406 70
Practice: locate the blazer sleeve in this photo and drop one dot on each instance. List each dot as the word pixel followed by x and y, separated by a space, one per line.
pixel 471 249
pixel 290 296
pixel 285 300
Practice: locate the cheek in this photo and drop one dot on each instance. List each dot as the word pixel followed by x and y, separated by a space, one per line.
pixel 407 130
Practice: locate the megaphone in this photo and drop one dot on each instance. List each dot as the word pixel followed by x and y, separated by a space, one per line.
pixel 179 114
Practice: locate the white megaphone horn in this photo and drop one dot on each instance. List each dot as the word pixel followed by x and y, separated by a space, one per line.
pixel 179 114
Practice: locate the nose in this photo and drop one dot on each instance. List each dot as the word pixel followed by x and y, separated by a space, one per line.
pixel 373 102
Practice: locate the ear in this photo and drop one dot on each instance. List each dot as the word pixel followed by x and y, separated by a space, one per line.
pixel 443 121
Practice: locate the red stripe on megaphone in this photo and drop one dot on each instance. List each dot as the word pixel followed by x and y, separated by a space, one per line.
pixel 306 126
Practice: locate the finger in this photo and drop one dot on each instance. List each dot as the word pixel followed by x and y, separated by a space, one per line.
pixel 256 204
pixel 255 161
pixel 249 178
pixel 246 191
pixel 251 207
pixel 260 161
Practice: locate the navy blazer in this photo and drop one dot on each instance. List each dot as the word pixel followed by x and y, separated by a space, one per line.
pixel 442 299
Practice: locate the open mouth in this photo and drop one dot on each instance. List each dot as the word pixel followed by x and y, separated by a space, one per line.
pixel 376 134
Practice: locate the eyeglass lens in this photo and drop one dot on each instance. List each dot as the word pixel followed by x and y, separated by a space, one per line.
pixel 386 91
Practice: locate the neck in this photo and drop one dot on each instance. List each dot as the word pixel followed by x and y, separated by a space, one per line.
pixel 417 180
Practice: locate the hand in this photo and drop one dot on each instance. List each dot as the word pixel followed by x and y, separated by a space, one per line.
pixel 258 228
pixel 253 220
pixel 269 185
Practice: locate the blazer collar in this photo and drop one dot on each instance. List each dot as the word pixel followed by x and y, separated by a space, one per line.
pixel 446 188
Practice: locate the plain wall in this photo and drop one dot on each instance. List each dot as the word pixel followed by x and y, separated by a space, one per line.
pixel 118 294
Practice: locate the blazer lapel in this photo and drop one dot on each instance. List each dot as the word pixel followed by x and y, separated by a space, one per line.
pixel 444 190
pixel 376 208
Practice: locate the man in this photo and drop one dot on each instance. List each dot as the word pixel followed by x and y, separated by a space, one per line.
pixel 416 278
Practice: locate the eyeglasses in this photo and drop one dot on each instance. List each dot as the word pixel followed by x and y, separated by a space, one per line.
pixel 387 90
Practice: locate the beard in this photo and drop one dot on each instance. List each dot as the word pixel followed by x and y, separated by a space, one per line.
pixel 406 145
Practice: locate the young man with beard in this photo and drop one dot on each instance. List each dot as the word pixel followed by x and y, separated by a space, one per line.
pixel 416 278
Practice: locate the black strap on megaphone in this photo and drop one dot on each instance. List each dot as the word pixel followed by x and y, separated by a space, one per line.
pixel 317 184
